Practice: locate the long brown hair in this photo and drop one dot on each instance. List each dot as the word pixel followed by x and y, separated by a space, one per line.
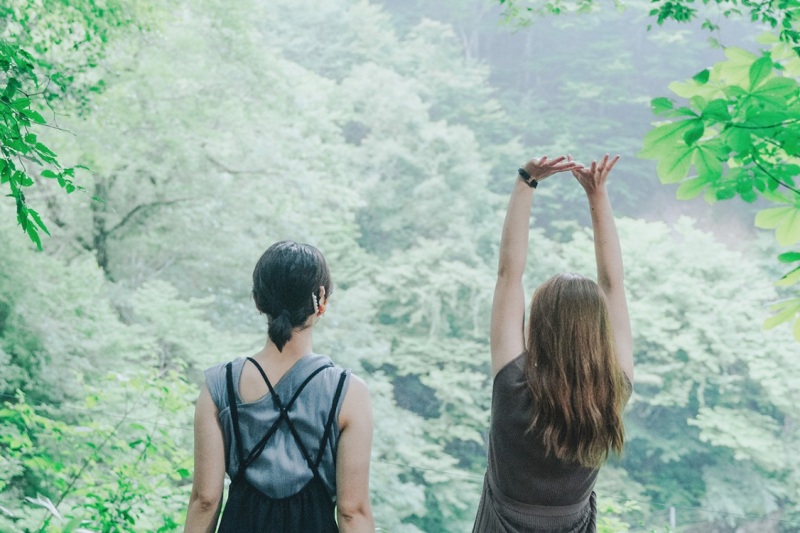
pixel 577 385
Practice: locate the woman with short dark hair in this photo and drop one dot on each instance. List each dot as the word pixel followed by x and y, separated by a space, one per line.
pixel 561 384
pixel 292 430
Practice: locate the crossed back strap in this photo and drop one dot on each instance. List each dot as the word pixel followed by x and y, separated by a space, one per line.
pixel 283 416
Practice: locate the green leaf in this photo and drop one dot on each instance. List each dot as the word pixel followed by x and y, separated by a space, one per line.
pixel 778 87
pixel 760 70
pixel 697 102
pixel 739 140
pixel 674 166
pixel 772 217
pixel 725 194
pixel 707 165
pixel 764 120
pixel 34 236
pixel 661 105
pixel 693 134
pixel 690 188
pixel 788 232
pixel 34 116
pixel 44 150
pixel 717 110
pixel 38 220
pixel 785 220
pixel 734 91
pixel 784 311
pixel 12 85
pixel 701 77
pixel 789 257
pixel 21 103
pixel 47 173
pixel 790 278
pixel 662 139
pixel 749 196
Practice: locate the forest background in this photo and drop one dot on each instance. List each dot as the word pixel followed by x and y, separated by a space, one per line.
pixel 191 135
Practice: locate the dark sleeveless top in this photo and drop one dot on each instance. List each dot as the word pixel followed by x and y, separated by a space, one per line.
pixel 524 489
pixel 281 448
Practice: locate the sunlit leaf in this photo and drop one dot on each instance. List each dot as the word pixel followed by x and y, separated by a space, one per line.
pixel 707 165
pixel 690 188
pixel 772 217
pixel 778 87
pixel 788 232
pixel 784 311
pixel 674 167
pixel 664 138
pixel 760 70
pixel 789 279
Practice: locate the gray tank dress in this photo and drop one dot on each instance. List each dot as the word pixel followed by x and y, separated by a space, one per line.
pixel 525 490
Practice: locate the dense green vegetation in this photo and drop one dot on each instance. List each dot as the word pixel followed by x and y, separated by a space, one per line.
pixel 388 135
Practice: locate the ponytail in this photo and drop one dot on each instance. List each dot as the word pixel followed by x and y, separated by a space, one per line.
pixel 280 329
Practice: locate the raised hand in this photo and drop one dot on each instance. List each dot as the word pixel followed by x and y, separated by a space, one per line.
pixel 595 176
pixel 540 168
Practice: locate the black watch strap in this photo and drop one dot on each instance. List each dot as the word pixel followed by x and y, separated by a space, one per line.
pixel 532 183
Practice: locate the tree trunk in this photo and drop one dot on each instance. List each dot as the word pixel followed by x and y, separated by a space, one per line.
pixel 100 230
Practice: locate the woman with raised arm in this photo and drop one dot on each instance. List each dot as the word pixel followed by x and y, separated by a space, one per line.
pixel 560 384
pixel 292 431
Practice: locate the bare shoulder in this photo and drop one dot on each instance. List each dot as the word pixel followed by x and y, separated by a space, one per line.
pixel 356 404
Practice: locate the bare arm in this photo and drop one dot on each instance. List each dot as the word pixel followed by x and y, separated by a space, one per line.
pixel 209 468
pixel 353 508
pixel 508 304
pixel 609 257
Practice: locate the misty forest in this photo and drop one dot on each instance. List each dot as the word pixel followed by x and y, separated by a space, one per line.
pixel 151 151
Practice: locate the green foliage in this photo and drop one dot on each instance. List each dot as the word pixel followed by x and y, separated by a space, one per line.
pixel 779 15
pixel 49 50
pixel 112 467
pixel 738 131
pixel 19 141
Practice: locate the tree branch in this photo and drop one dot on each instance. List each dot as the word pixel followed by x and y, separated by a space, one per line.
pixel 142 208
pixel 776 180
pixel 219 164
pixel 778 125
